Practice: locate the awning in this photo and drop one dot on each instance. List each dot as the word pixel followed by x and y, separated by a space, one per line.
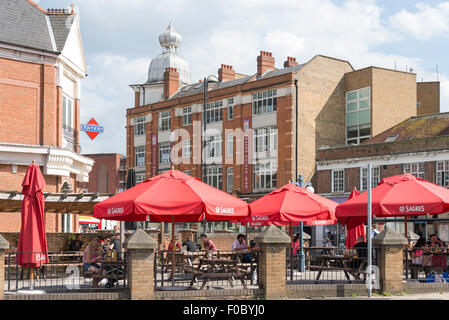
pixel 88 220
pixel 80 203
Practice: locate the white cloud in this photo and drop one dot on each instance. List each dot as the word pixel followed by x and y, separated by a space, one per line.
pixel 121 37
pixel 427 22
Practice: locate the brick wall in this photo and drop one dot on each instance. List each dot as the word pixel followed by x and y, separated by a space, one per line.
pixel 111 163
pixel 428 97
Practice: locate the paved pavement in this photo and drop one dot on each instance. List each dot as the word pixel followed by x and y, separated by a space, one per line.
pixel 421 296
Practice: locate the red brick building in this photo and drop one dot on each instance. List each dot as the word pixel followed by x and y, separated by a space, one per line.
pixel 42 65
pixel 418 145
pixel 108 174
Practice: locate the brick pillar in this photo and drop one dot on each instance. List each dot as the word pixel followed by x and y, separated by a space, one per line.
pixel 390 246
pixel 3 246
pixel 141 248
pixel 272 267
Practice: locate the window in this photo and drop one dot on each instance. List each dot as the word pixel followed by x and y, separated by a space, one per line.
pixel 139 156
pixel 140 177
pixel 443 173
pixel 139 126
pixel 188 172
pixel 67 111
pixel 375 178
pixel 265 175
pixel 358 116
pixel 214 177
pixel 213 146
pixel 264 102
pixel 231 109
pixel 417 169
pixel 338 180
pixel 214 111
pixel 164 120
pixel 265 139
pixel 67 223
pixel 186 149
pixel 230 145
pixel 230 179
pixel 186 116
pixel 164 153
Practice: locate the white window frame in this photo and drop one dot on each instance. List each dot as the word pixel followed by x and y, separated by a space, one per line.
pixel 418 169
pixel 67 110
pixel 230 145
pixel 214 146
pixel 261 171
pixel 139 126
pixel 230 179
pixel 264 102
pixel 164 121
pixel 214 111
pixel 338 179
pixel 264 142
pixel 186 116
pixel 375 177
pixel 67 223
pixel 442 173
pixel 140 177
pixel 230 108
pixel 214 176
pixel 139 156
pixel 358 100
pixel 186 148
pixel 164 152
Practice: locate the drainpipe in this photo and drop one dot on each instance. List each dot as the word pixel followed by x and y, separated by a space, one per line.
pixel 296 129
pixel 143 98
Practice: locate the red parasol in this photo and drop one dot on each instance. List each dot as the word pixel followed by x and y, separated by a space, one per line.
pixel 32 246
pixel 352 234
pixel 397 196
pixel 289 205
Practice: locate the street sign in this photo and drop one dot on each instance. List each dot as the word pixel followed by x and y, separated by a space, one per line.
pixel 92 128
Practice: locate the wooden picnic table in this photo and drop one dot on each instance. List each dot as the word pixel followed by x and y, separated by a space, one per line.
pixel 341 263
pixel 220 265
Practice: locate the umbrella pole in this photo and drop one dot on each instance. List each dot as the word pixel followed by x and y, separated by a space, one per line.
pixel 31 278
pixel 173 250
pixel 246 231
pixel 405 229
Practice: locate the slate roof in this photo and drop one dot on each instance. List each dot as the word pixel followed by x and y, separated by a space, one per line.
pixel 419 127
pixel 61 24
pixel 24 24
pixel 199 86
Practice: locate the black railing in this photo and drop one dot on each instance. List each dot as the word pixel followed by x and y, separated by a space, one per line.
pixel 328 265
pixel 206 270
pixel 424 264
pixel 70 135
pixel 64 272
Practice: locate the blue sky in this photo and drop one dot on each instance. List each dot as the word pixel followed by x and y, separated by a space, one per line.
pixel 121 37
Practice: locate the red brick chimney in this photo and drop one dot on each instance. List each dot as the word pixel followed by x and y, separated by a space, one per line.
pixel 290 62
pixel 265 62
pixel 171 82
pixel 226 73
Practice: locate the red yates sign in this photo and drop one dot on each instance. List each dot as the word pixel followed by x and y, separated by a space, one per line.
pixel 92 128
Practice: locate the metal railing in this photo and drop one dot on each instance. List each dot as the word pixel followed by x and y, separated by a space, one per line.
pixel 64 272
pixel 70 135
pixel 206 270
pixel 424 264
pixel 328 265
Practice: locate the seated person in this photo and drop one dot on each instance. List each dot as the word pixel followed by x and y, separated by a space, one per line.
pixel 116 242
pixel 177 245
pixel 240 243
pixel 91 260
pixel 76 244
pixel 207 243
pixel 296 245
pixel 191 246
pixel 361 248
pixel 253 245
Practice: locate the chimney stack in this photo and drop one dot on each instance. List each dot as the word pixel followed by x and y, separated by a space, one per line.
pixel 265 62
pixel 226 73
pixel 290 62
pixel 171 82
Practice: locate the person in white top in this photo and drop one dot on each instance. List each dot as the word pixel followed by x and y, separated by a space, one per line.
pixel 240 243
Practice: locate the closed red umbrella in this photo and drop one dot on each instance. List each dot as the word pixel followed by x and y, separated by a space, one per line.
pixel 289 205
pixel 172 197
pixel 397 196
pixel 352 234
pixel 32 246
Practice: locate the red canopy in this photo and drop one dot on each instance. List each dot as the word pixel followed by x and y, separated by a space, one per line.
pixel 172 197
pixel 401 195
pixel 32 246
pixel 289 205
pixel 352 234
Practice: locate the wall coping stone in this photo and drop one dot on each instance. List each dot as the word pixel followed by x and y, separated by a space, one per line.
pixel 140 240
pixel 272 235
pixel 3 243
pixel 389 237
